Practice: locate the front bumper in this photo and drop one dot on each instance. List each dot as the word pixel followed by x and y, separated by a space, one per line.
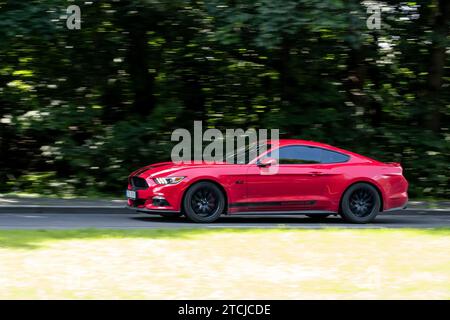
pixel 157 198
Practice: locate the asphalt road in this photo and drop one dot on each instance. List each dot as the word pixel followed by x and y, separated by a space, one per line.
pixel 398 219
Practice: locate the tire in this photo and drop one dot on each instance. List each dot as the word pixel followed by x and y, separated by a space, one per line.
pixel 318 216
pixel 360 203
pixel 204 202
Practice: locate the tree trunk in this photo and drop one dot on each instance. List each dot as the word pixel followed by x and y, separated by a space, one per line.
pixel 142 81
pixel 193 99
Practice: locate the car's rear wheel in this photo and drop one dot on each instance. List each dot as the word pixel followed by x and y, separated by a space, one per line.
pixel 318 216
pixel 360 203
pixel 204 202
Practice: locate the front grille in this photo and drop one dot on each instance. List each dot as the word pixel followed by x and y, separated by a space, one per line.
pixel 139 183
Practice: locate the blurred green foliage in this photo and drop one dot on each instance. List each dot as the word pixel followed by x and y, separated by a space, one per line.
pixel 80 109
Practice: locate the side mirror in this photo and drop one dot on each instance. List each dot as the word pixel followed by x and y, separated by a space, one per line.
pixel 267 162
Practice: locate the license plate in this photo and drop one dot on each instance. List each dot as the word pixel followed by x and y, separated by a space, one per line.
pixel 131 194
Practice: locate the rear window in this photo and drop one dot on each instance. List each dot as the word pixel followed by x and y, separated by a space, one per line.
pixel 328 156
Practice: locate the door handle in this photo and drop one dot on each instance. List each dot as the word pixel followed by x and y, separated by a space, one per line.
pixel 316 173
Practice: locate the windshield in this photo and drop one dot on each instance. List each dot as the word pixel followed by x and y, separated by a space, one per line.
pixel 246 154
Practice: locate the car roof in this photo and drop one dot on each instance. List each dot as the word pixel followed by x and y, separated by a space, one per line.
pixel 287 142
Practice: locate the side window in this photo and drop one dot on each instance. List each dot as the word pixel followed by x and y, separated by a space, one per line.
pixel 329 156
pixel 299 155
pixel 308 155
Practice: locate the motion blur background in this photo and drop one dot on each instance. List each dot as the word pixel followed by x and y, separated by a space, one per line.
pixel 80 109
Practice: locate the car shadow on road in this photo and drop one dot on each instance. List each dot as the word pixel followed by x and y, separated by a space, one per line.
pixel 278 220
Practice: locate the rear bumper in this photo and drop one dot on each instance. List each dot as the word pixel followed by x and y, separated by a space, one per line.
pixel 396 201
pixel 397 208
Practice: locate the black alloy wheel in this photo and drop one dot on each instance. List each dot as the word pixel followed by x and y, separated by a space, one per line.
pixel 360 203
pixel 204 202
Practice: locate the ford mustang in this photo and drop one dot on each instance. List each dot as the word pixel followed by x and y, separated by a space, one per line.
pixel 313 179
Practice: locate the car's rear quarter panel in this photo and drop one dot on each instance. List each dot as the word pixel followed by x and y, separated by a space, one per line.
pixel 388 180
pixel 395 187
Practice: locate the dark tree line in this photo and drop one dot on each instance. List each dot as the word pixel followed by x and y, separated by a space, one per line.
pixel 80 108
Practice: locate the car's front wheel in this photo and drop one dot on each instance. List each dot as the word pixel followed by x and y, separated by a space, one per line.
pixel 360 203
pixel 204 202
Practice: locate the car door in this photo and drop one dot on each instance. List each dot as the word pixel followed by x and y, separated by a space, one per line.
pixel 300 183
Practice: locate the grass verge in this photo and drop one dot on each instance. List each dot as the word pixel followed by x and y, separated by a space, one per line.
pixel 223 263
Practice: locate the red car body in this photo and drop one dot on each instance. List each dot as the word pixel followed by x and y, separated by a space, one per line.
pixel 296 188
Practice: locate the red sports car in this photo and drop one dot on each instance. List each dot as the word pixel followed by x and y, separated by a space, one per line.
pixel 313 179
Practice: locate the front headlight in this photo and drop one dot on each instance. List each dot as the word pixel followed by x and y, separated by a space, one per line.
pixel 168 180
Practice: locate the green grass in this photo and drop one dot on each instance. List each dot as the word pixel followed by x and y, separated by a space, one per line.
pixel 225 263
pixel 34 239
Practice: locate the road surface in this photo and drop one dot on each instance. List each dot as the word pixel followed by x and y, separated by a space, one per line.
pixel 132 220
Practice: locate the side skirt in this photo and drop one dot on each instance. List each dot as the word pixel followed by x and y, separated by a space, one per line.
pixel 282 213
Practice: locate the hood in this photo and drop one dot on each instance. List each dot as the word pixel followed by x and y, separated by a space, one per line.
pixel 168 168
